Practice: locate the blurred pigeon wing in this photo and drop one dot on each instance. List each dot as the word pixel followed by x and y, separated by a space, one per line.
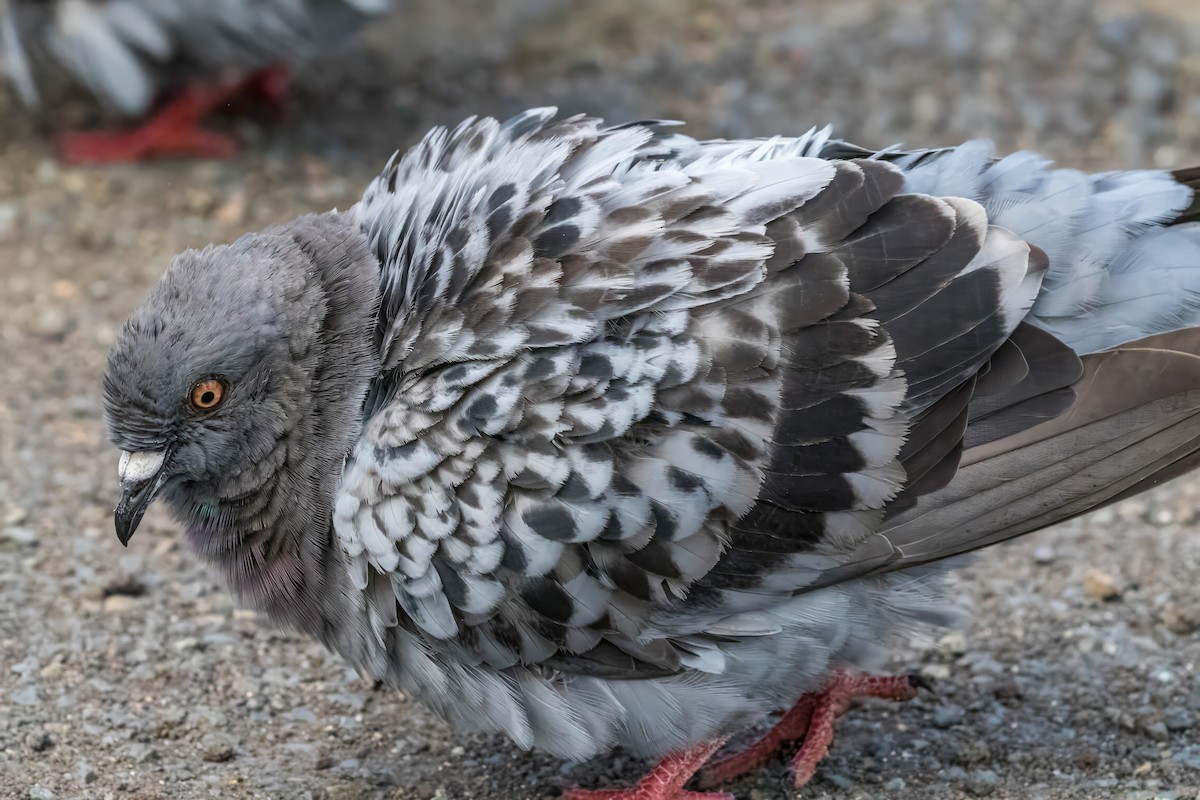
pixel 124 51
pixel 14 64
pixel 98 44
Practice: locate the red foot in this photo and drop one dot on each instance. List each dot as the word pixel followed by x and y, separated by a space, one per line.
pixel 175 129
pixel 812 719
pixel 664 782
pixel 143 144
pixel 270 87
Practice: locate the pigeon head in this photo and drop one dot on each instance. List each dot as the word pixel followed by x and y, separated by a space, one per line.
pixel 235 391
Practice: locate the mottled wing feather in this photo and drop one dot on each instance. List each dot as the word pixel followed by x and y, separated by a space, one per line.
pixel 626 396
pixel 636 389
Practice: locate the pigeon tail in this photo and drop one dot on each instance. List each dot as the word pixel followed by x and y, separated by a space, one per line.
pixel 1190 178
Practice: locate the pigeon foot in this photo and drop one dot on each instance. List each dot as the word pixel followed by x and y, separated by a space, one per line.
pixel 174 130
pixel 143 144
pixel 811 719
pixel 269 87
pixel 664 782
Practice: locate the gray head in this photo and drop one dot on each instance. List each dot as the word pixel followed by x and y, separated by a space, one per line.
pixel 236 390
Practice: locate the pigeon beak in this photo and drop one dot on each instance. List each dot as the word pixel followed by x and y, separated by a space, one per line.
pixel 141 476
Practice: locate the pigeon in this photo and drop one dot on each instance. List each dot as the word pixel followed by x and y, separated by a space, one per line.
pixel 129 52
pixel 601 436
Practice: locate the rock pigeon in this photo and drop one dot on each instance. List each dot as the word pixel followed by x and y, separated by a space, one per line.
pixel 605 436
pixel 129 52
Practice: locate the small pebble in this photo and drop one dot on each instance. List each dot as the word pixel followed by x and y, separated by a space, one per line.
pixel 986 665
pixel 1180 618
pixel 53 324
pixel 40 793
pixel 840 781
pixel 1164 675
pixel 302 715
pixel 84 774
pixel 948 715
pixel 8 218
pixel 1189 757
pixel 120 603
pixel 937 672
pixel 356 702
pixel 13 515
pixel 1101 586
pixel 25 696
pixel 17 536
pixel 217 749
pixel 973 751
pixel 1007 689
pixel 40 742
pixel 1153 728
pixel 1044 555
pixel 141 753
pixel 953 644
pixel 1177 719
pixel 982 782
pixel 233 210
pixel 126 585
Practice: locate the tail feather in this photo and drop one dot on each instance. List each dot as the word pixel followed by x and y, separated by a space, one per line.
pixel 1133 424
pixel 1190 178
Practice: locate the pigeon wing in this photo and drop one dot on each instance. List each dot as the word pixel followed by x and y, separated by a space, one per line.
pixel 634 385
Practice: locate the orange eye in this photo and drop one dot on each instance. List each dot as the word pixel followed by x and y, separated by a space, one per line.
pixel 207 394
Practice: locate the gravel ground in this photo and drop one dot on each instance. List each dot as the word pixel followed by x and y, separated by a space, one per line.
pixel 131 674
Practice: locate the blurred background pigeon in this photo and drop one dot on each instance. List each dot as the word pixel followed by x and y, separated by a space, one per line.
pixel 605 436
pixel 179 60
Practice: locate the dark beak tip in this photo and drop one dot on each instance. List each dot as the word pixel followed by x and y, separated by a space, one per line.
pixel 135 499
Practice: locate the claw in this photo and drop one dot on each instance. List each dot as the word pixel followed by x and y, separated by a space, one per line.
pixel 664 782
pixel 812 719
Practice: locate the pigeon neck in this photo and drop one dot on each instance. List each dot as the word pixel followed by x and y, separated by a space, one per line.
pixel 277 555
pixel 269 527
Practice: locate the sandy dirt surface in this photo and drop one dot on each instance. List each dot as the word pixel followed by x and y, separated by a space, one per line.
pixel 132 674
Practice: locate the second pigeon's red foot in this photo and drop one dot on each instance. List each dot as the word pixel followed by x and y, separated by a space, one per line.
pixel 175 130
pixel 664 782
pixel 142 144
pixel 271 87
pixel 811 719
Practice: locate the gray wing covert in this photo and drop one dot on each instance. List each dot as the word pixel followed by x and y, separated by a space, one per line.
pixel 630 391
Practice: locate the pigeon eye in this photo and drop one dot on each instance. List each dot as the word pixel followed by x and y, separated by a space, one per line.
pixel 207 394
